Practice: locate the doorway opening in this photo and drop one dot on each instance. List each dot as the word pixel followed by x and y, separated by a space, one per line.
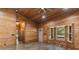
pixel 20 32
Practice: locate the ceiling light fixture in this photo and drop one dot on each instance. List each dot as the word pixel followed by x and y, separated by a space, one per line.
pixel 65 8
pixel 16 10
pixel 43 13
pixel 43 16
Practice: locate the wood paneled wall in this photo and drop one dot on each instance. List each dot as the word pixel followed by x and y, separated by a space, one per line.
pixel 28 29
pixel 30 32
pixel 7 27
pixel 73 19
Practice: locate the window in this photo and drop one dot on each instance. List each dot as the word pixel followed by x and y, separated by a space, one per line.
pixel 60 32
pixel 51 33
pixel 70 33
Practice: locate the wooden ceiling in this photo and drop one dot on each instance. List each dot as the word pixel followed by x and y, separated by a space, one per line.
pixel 35 14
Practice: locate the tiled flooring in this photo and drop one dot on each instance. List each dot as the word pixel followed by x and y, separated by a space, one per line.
pixel 34 46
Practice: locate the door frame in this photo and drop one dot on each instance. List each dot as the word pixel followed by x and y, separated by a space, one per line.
pixel 40 31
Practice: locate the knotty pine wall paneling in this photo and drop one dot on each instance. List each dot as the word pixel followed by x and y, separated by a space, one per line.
pixel 29 32
pixel 73 19
pixel 7 27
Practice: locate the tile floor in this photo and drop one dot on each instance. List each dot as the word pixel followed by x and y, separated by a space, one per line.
pixel 34 46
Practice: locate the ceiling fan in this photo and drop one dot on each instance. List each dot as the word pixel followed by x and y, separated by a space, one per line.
pixel 43 12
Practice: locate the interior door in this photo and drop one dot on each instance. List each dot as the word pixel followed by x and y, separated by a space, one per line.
pixel 40 35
